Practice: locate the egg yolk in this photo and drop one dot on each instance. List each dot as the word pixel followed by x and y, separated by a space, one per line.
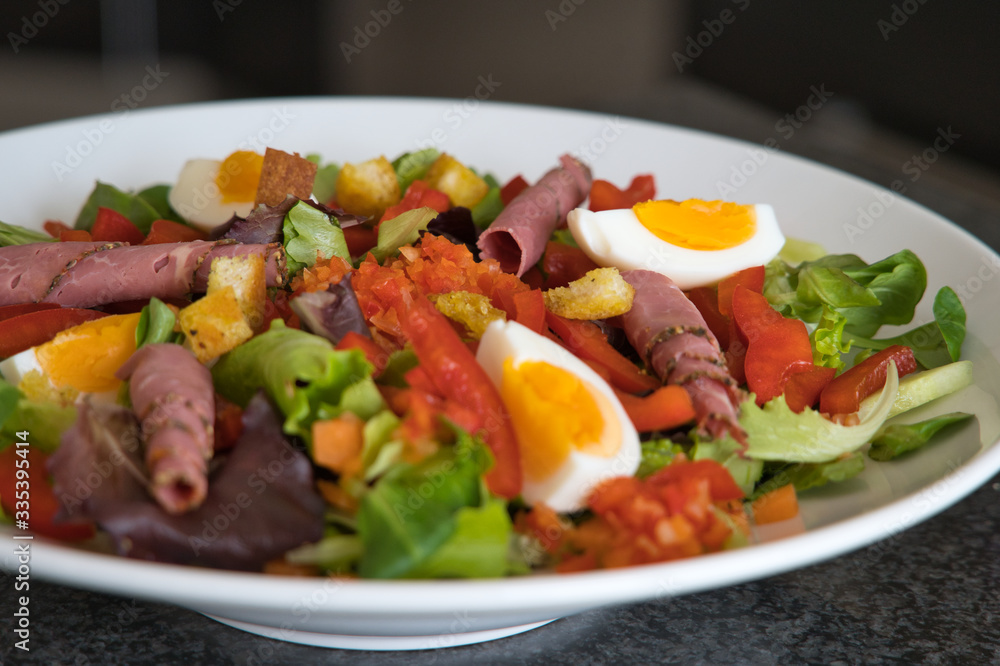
pixel 554 412
pixel 86 357
pixel 698 225
pixel 239 176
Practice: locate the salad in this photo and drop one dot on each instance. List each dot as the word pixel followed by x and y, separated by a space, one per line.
pixel 409 369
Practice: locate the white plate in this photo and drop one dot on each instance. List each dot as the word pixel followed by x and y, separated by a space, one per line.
pixel 47 171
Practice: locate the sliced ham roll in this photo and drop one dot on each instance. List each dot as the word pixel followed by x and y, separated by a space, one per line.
pixel 173 397
pixel 517 237
pixel 85 275
pixel 671 336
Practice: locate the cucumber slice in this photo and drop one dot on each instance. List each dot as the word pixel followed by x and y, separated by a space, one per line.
pixel 922 387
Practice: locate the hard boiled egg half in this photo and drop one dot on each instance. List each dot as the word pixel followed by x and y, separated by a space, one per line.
pixel 572 431
pixel 209 192
pixel 693 242
pixel 82 360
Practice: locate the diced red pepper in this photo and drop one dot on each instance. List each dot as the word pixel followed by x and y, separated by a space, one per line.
pixel 564 263
pixel 110 226
pixel 458 377
pixel 168 231
pixel 844 394
pixel 41 501
pixel 803 388
pixel 418 195
pixel 514 186
pixel 776 346
pixel 31 329
pixel 586 340
pixel 665 408
pixel 228 423
pixel 723 487
pixel 607 196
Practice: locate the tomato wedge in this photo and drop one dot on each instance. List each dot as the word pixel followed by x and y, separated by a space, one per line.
pixel 564 263
pixel 8 311
pixel 31 329
pixel 607 196
pixel 514 186
pixel 112 226
pixel 844 394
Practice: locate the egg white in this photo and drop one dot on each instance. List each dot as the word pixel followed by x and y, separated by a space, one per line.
pixel 617 238
pixel 196 196
pixel 567 489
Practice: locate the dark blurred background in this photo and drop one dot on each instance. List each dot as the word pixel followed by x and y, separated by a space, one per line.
pixel 863 85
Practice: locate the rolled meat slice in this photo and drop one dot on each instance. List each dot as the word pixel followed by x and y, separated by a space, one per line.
pixel 517 237
pixel 173 397
pixel 671 336
pixel 85 275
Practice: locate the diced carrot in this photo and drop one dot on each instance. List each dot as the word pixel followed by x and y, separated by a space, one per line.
pixel 776 505
pixel 337 443
pixel 75 235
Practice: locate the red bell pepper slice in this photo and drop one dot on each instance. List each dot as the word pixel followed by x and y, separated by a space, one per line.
pixel 63 232
pixel 458 377
pixel 803 388
pixel 55 227
pixel 75 235
pixel 751 278
pixel 168 231
pixel 418 195
pixel 707 301
pixel 844 394
pixel 607 196
pixel 514 186
pixel 665 408
pixel 775 346
pixel 8 311
pixel 563 263
pixel 41 501
pixel 31 329
pixel 112 226
pixel 586 340
pixel 529 310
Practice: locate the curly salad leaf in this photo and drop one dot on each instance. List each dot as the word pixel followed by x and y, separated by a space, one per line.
pixel 311 234
pixel 435 518
pixel 303 374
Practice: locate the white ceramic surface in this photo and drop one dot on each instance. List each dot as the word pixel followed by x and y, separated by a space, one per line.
pixel 47 171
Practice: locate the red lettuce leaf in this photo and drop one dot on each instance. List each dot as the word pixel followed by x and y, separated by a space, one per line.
pixel 261 500
pixel 332 313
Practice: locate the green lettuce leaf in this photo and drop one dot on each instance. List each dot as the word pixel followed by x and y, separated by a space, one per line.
pixel 488 208
pixel 311 234
pixel 11 234
pixel 413 166
pixel 137 209
pixel 156 324
pixel 303 375
pixel 325 182
pixel 828 341
pixel 404 229
pixel 898 438
pixel 46 421
pixel 655 455
pixel 745 471
pixel 812 475
pixel 157 197
pixel 435 518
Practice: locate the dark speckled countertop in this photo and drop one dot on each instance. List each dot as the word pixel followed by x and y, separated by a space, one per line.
pixel 929 595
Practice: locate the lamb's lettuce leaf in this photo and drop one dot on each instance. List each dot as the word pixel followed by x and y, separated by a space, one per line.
pixel 140 212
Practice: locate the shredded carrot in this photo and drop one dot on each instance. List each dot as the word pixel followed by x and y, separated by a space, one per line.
pixel 776 505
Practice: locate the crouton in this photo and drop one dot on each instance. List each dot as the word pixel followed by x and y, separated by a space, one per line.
pixel 214 325
pixel 474 311
pixel 247 276
pixel 599 294
pixel 459 182
pixel 368 188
